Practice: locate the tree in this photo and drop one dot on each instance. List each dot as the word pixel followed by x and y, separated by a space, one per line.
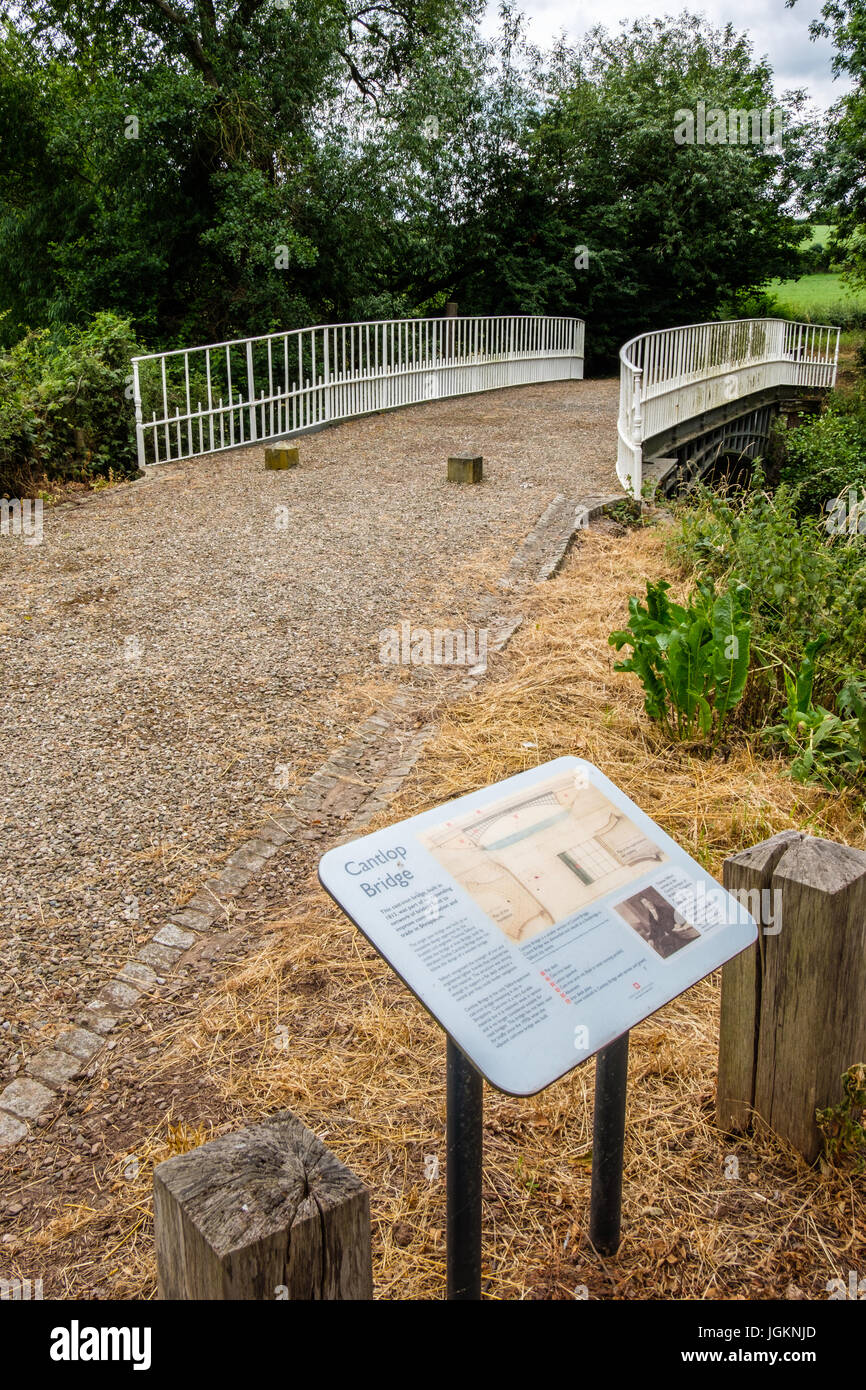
pixel 842 179
pixel 557 186
pixel 179 153
pixel 219 168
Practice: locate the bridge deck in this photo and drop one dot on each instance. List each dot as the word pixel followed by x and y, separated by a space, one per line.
pixel 126 778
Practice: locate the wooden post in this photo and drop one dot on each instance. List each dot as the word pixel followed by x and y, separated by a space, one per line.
pixel 465 468
pixel 278 456
pixel 793 1012
pixel 267 1213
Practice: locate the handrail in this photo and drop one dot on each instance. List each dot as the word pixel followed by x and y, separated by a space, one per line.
pixel 247 390
pixel 671 375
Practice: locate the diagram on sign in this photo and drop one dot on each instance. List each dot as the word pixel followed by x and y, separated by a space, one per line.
pixel 534 858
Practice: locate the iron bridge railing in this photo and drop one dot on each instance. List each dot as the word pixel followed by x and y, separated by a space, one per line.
pixel 671 376
pixel 199 400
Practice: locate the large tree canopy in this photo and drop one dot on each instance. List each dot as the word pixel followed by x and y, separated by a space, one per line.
pixel 178 161
pixel 838 176
pixel 212 169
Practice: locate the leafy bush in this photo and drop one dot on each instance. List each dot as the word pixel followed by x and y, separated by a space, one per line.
pixel 51 389
pixel 804 582
pixel 843 1126
pixel 692 660
pixel 828 748
pixel 756 539
pixel 825 457
pixel 808 614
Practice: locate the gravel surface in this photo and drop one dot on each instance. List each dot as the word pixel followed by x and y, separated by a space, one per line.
pixel 179 654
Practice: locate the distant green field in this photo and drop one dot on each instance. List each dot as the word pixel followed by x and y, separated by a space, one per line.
pixel 820 299
pixel 819 234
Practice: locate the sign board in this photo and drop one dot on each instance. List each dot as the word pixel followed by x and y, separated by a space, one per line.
pixel 538 919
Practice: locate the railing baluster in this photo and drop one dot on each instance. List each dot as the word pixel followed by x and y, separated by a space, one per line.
pixel 357 375
pixel 209 396
pixel 251 389
pixel 165 410
pixel 188 403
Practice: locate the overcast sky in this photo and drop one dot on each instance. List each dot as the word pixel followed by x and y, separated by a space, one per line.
pixel 780 34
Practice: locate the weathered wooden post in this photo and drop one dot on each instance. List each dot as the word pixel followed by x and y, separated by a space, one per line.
pixel 794 1006
pixel 465 468
pixel 267 1213
pixel 279 456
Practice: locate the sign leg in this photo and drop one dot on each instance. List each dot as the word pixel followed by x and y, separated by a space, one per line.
pixel 608 1138
pixel 463 1149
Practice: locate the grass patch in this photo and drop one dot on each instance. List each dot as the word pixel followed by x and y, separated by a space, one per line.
pixel 826 298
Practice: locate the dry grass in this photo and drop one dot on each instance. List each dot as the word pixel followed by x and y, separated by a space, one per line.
pixel 318 1024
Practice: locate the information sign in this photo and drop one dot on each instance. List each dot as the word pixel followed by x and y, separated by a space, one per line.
pixel 537 919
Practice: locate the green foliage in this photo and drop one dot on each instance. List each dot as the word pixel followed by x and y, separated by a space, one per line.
pixel 157 160
pixel 50 388
pixel 803 581
pixel 673 230
pixel 824 458
pixel 825 747
pixel 843 1126
pixel 822 298
pixel 806 691
pixel 838 176
pixel 692 660
pixel 756 540
pixel 629 513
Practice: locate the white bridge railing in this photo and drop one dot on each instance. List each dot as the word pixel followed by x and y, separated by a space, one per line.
pixel 199 400
pixel 672 376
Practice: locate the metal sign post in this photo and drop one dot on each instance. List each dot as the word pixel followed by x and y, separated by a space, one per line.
pixel 608 1141
pixel 537 921
pixel 464 1156
pixel 464 1145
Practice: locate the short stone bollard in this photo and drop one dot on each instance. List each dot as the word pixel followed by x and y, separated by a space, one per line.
pixel 282 456
pixel 465 468
pixel 268 1213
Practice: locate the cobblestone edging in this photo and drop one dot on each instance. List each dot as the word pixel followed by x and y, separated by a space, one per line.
pixel 337 798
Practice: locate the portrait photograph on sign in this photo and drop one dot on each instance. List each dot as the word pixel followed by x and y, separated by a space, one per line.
pixel 657 922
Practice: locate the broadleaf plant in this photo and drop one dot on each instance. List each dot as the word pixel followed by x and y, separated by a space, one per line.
pixel 692 659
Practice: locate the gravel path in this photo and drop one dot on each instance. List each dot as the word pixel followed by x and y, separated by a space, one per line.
pixel 179 654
